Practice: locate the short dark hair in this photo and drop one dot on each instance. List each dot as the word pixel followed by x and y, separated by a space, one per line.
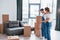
pixel 47 9
pixel 41 9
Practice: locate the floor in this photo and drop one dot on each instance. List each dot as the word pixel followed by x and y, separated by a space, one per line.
pixel 55 35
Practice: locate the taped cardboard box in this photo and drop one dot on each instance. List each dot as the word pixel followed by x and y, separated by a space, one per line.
pixel 5 18
pixel 38 33
pixel 37 26
pixel 1 28
pixel 27 31
pixel 38 19
pixel 13 38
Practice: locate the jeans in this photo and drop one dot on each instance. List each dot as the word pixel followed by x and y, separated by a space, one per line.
pixel 43 29
pixel 46 30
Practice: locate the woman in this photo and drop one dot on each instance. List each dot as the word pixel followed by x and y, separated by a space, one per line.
pixel 47 21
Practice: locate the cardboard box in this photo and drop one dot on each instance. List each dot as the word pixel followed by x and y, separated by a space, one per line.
pixel 38 19
pixel 5 18
pixel 37 26
pixel 1 28
pixel 27 31
pixel 13 38
pixel 37 33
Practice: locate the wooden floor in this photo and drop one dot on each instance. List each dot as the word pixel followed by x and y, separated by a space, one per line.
pixel 55 35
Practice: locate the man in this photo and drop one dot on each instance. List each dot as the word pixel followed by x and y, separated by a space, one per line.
pixel 41 12
pixel 43 23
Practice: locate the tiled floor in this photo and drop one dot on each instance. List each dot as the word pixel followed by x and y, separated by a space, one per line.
pixel 55 35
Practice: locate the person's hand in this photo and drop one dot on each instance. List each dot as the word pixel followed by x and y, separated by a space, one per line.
pixel 45 21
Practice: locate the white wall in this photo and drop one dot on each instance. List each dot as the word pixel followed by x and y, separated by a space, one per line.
pixel 8 7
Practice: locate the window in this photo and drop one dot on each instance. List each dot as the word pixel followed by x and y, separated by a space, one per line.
pixel 34 10
pixel 31 9
pixel 34 1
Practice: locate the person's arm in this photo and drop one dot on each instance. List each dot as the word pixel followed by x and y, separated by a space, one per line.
pixel 47 19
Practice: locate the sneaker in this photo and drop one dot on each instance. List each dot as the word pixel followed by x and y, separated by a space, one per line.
pixel 41 37
pixel 45 38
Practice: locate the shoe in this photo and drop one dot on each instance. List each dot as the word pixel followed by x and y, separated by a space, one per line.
pixel 45 38
pixel 41 37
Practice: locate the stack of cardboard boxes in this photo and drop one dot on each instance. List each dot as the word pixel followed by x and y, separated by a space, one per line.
pixel 38 26
pixel 5 18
